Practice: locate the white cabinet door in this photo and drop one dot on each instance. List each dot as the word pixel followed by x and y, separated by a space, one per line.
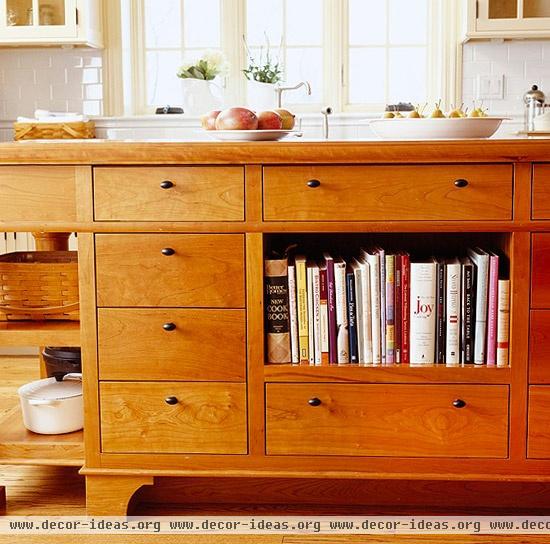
pixel 513 17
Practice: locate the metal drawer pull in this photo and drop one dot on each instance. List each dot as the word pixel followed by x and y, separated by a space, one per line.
pixel 169 327
pixel 167 251
pixel 171 400
pixel 461 183
pixel 166 184
pixel 459 403
pixel 314 401
pixel 313 183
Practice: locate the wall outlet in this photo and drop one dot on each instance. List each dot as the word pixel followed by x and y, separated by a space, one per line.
pixel 490 87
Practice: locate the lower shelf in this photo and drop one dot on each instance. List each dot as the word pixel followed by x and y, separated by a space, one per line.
pixel 18 446
pixel 40 333
pixel 387 374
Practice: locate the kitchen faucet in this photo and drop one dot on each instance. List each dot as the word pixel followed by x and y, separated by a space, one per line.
pixel 279 91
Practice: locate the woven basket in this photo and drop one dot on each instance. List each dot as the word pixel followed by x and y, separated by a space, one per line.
pixel 39 285
pixel 54 131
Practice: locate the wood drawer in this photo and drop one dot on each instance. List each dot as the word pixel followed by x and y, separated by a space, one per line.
pixel 387 420
pixel 539 347
pixel 159 344
pixel 540 271
pixel 198 193
pixel 37 193
pixel 387 193
pixel 205 270
pixel 206 417
pixel 541 191
pixel 538 445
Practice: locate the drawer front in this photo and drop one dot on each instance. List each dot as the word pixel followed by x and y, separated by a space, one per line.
pixel 541 191
pixel 387 420
pixel 204 270
pixel 37 193
pixel 538 445
pixel 187 193
pixel 387 193
pixel 194 345
pixel 205 418
pixel 540 271
pixel 539 347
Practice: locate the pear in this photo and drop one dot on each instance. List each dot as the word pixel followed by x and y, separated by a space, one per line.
pixel 476 113
pixel 388 115
pixel 398 115
pixel 414 115
pixel 455 114
pixel 437 113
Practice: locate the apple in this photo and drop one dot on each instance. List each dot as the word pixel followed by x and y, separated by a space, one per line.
pixel 289 119
pixel 237 119
pixel 269 120
pixel 208 120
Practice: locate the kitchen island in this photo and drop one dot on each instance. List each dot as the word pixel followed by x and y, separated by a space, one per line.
pixel 172 237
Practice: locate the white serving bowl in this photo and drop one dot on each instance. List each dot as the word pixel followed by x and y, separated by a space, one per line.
pixel 250 135
pixel 436 129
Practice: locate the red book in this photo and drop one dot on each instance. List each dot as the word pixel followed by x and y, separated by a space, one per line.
pixel 398 308
pixel 405 307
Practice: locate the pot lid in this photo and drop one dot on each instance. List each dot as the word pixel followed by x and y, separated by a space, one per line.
pixel 534 93
pixel 51 389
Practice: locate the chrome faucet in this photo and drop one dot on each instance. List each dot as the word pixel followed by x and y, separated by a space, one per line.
pixel 279 91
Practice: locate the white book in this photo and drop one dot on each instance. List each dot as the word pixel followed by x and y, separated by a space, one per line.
pixel 293 313
pixel 10 242
pixel 373 261
pixel 310 333
pixel 481 260
pixel 357 280
pixel 342 333
pixel 503 322
pixel 316 315
pixel 3 244
pixel 382 255
pixel 422 316
pixel 324 309
pixel 364 321
pixel 452 317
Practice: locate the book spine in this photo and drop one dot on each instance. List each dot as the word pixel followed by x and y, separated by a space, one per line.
pixel 367 315
pixel 503 323
pixel 398 318
pixel 374 266
pixel 440 316
pixel 390 309
pixel 324 314
pixel 382 256
pixel 422 314
pixel 467 311
pixel 316 316
pixel 342 336
pixel 359 314
pixel 406 309
pixel 277 311
pixel 492 311
pixel 452 317
pixel 311 317
pixel 294 347
pixel 301 299
pixel 481 289
pixel 352 318
pixel 331 299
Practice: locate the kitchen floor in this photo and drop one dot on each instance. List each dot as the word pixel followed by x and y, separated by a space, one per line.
pixel 35 491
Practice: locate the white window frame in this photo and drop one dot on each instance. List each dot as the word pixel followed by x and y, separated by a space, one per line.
pixel 444 49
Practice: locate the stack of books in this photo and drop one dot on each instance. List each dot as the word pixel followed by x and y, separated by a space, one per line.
pixel 382 308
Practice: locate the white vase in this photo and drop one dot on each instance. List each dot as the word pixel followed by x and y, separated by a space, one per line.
pixel 261 96
pixel 200 96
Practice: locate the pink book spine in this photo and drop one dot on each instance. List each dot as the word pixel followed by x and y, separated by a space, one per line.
pixel 492 311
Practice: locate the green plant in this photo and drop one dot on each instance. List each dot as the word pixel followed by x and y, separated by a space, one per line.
pixel 269 71
pixel 207 67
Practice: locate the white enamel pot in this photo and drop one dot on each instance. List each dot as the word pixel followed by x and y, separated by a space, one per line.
pixel 52 407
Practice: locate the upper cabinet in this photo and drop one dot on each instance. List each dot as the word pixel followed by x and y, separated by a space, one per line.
pixel 508 19
pixel 50 22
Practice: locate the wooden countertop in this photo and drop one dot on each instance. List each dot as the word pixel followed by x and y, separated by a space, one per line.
pixel 98 152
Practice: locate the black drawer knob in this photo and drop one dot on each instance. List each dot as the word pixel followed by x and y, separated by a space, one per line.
pixel 169 327
pixel 313 183
pixel 314 401
pixel 166 184
pixel 459 403
pixel 461 183
pixel 167 251
pixel 171 400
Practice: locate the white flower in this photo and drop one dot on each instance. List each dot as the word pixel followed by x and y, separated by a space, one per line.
pixel 217 62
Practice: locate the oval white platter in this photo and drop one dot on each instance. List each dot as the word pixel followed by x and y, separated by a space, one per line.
pixel 435 129
pixel 251 135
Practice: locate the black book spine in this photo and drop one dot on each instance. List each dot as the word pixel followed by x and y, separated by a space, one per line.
pixel 440 315
pixel 467 340
pixel 352 318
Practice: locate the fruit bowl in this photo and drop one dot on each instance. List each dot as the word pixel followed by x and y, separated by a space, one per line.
pixel 251 135
pixel 436 128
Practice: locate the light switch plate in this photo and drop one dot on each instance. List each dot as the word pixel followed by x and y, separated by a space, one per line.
pixel 490 87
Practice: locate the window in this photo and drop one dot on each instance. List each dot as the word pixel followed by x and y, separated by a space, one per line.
pixel 358 55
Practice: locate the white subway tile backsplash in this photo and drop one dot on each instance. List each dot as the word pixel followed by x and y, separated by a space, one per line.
pixel 490 51
pixel 475 68
pixel 522 50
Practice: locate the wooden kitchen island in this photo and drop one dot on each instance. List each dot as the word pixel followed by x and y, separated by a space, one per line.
pixel 171 240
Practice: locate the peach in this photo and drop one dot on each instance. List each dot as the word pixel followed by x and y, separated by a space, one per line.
pixel 237 119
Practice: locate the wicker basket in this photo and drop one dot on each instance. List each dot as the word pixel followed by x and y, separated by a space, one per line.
pixel 54 131
pixel 39 285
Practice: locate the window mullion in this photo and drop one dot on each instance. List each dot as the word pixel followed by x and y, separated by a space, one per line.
pixel 335 36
